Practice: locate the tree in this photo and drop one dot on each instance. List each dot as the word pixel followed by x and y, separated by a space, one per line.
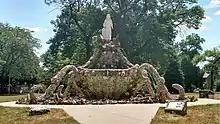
pixel 17 54
pixel 189 48
pixel 174 75
pixel 72 43
pixel 76 25
pixel 146 29
pixel 192 74
pixel 211 58
pixel 56 62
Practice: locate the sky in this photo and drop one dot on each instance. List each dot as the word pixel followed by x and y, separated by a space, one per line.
pixel 210 28
pixel 36 16
pixel 30 14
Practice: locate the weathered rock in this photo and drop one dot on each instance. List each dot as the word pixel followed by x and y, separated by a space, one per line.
pixel 191 99
pixel 51 102
pixel 38 111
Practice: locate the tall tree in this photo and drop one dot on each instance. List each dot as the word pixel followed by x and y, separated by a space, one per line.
pixel 174 75
pixel 191 45
pixel 17 52
pixel 192 74
pixel 146 28
pixel 77 24
pixel 188 49
pixel 211 60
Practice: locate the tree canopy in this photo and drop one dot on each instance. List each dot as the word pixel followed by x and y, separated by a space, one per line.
pixel 147 28
pixel 17 53
pixel 188 49
pixel 211 61
pixel 210 58
pixel 191 45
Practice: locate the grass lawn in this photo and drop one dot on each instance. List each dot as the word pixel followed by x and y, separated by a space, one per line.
pixel 10 97
pixel 205 114
pixel 11 115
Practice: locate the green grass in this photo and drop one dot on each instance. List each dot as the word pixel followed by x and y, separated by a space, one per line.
pixel 11 115
pixel 204 114
pixel 10 97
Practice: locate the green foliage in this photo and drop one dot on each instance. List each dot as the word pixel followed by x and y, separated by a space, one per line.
pixel 191 46
pixel 147 29
pixel 17 53
pixel 211 58
pixel 192 74
pixel 217 85
pixel 174 75
pixel 188 49
pixel 55 62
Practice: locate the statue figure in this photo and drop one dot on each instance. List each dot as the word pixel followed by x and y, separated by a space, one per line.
pixel 107 28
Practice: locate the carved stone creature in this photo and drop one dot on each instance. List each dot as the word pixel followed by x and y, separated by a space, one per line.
pixel 55 81
pixel 31 97
pixel 108 74
pixel 181 91
pixel 59 91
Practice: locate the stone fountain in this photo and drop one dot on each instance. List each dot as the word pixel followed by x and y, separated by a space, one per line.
pixel 108 77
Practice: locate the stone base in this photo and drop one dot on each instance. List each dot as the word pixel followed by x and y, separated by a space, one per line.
pixel 83 101
pixel 139 99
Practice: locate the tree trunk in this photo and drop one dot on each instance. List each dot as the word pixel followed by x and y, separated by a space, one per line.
pixel 88 48
pixel 9 85
pixel 212 80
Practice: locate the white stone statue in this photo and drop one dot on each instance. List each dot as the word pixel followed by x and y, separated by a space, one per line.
pixel 107 28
